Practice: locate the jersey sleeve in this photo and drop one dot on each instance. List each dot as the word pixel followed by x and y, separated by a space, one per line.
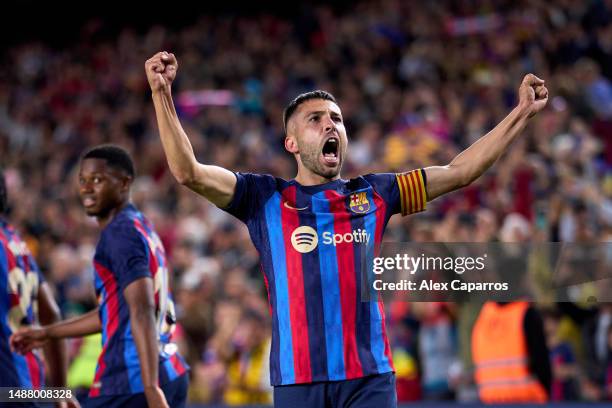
pixel 128 253
pixel 405 193
pixel 27 259
pixel 252 191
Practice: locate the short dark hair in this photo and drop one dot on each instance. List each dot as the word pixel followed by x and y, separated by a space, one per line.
pixel 294 104
pixel 115 156
pixel 3 195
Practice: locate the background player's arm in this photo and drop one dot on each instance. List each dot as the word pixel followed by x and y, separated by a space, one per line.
pixel 26 339
pixel 476 159
pixel 55 349
pixel 215 183
pixel 140 298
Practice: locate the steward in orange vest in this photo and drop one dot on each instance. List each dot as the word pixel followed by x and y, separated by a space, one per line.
pixel 510 354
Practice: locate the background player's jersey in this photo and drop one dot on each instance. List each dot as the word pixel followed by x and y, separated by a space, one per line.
pixel 314 241
pixel 129 249
pixel 20 279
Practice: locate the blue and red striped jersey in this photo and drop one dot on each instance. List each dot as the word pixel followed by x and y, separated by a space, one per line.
pixel 314 242
pixel 129 249
pixel 20 279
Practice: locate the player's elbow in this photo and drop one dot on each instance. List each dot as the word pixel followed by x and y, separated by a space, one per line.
pixel 466 179
pixel 184 172
pixel 462 175
pixel 185 175
pixel 184 178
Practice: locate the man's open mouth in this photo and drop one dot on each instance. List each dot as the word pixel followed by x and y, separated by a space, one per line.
pixel 330 151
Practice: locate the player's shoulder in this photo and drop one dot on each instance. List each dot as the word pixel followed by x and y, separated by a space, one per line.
pixel 12 239
pixel 375 177
pixel 262 180
pixel 374 180
pixel 261 186
pixel 6 228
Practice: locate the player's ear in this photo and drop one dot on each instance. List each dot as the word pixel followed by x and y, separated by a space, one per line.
pixel 126 182
pixel 291 144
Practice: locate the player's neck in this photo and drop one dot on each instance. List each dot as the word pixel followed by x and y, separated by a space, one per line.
pixel 312 179
pixel 103 221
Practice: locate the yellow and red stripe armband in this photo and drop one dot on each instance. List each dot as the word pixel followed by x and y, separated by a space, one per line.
pixel 412 191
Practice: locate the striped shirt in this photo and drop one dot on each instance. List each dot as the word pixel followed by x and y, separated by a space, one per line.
pixel 20 279
pixel 314 243
pixel 129 249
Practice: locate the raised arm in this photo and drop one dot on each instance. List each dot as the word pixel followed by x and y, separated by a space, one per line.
pixel 476 159
pixel 213 182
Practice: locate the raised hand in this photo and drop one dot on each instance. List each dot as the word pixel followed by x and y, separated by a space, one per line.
pixel 26 339
pixel 533 95
pixel 161 71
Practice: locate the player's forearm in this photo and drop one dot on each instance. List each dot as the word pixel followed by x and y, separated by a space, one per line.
pixel 145 336
pixel 178 149
pixel 55 356
pixel 476 159
pixel 80 326
pixel 55 349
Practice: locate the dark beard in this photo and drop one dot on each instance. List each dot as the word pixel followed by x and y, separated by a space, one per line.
pixel 311 162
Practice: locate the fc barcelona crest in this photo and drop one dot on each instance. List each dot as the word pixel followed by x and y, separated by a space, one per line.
pixel 359 203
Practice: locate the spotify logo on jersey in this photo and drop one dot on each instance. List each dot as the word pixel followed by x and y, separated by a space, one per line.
pixel 304 239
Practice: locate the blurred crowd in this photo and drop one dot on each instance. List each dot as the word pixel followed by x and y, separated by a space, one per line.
pixel 417 82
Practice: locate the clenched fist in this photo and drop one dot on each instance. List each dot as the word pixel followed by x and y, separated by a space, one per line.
pixel 161 71
pixel 533 95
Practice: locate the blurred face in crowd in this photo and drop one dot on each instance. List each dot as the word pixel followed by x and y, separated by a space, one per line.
pixel 317 137
pixel 102 188
pixel 551 326
pixel 249 333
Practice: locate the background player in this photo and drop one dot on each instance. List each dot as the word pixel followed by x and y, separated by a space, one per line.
pixel 25 300
pixel 316 233
pixel 139 366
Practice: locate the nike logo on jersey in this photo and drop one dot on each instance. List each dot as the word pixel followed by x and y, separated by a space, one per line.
pixel 287 205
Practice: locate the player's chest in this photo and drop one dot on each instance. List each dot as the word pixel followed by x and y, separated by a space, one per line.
pixel 303 223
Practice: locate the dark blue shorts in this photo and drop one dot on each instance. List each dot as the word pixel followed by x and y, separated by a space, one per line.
pixel 175 392
pixel 374 391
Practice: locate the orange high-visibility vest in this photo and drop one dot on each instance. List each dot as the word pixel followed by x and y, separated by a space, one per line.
pixel 499 351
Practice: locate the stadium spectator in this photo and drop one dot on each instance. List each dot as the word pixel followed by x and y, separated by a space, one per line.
pixel 565 370
pixel 248 368
pixel 510 354
pixel 437 347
